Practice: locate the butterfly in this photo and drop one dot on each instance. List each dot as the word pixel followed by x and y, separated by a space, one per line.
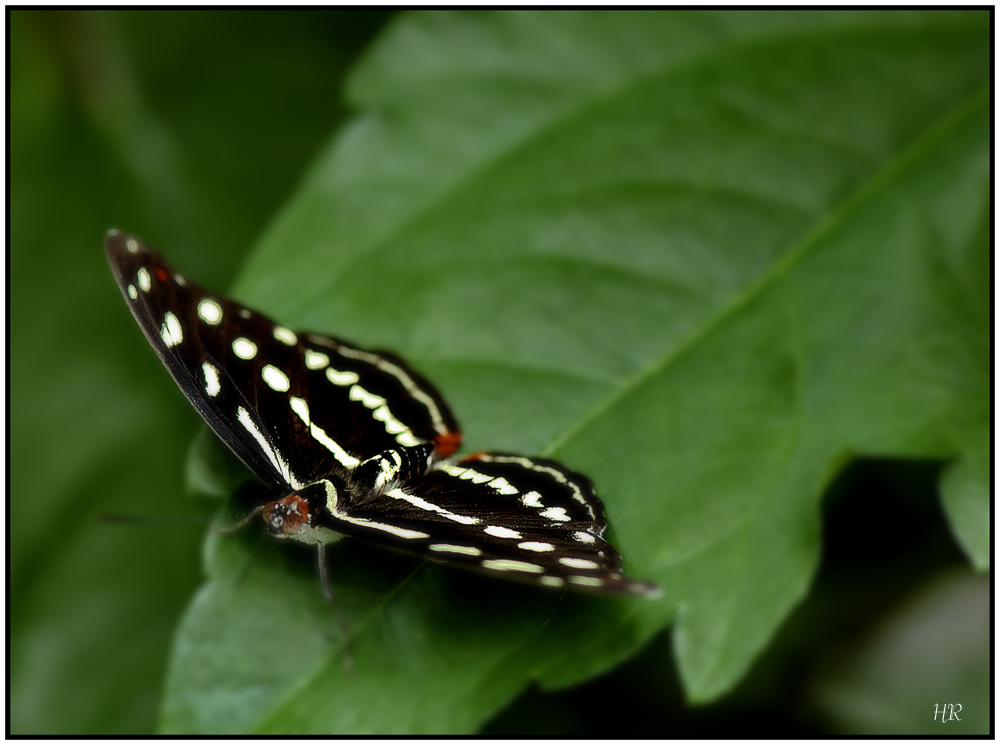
pixel 353 441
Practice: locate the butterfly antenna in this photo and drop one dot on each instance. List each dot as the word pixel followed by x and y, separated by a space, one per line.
pixel 216 528
pixel 324 578
pixel 122 518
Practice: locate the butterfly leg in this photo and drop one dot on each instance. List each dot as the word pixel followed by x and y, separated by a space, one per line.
pixel 324 579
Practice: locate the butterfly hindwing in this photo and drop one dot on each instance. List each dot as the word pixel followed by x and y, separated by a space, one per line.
pixel 294 407
pixel 522 518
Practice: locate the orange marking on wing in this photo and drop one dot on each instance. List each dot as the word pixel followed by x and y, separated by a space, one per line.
pixel 162 273
pixel 447 443
pixel 474 456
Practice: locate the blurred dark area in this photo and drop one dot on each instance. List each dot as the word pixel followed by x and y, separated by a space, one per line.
pixel 189 128
pixel 214 114
pixel 884 535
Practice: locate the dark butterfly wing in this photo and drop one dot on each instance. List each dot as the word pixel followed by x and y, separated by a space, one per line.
pixel 522 518
pixel 293 407
pixel 304 412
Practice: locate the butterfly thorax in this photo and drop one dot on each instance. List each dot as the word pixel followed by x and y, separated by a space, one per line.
pixel 388 470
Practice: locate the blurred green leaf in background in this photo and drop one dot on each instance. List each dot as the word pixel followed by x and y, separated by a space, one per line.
pixel 732 265
pixel 188 128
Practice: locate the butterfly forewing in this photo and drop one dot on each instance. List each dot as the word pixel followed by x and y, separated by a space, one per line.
pixel 379 387
pixel 293 406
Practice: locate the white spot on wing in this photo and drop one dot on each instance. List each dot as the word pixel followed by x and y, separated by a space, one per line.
pixel 244 348
pixel 392 425
pixel 244 313
pixel 407 440
pixel 171 331
pixel 368 400
pixel 532 499
pixel 466 474
pixel 132 293
pixel 210 311
pixel 316 360
pixel 553 581
pixel 557 514
pixel 502 486
pixel 508 565
pixel 588 581
pixel 578 563
pixel 144 282
pixel 342 378
pixel 584 537
pixel 501 532
pixel 275 378
pixel 212 385
pixel 285 336
pixel 131 245
pixel 449 549
pixel 538 546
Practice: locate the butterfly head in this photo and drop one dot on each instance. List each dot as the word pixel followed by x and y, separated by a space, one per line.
pixel 297 515
pixel 288 516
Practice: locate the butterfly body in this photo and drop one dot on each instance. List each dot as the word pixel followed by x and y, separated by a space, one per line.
pixel 355 442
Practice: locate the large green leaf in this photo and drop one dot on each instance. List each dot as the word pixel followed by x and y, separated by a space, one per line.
pixel 706 258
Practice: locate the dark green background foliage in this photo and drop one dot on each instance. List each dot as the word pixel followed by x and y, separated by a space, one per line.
pixel 732 265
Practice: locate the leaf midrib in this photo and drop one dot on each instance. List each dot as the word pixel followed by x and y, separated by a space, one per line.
pixel 811 241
